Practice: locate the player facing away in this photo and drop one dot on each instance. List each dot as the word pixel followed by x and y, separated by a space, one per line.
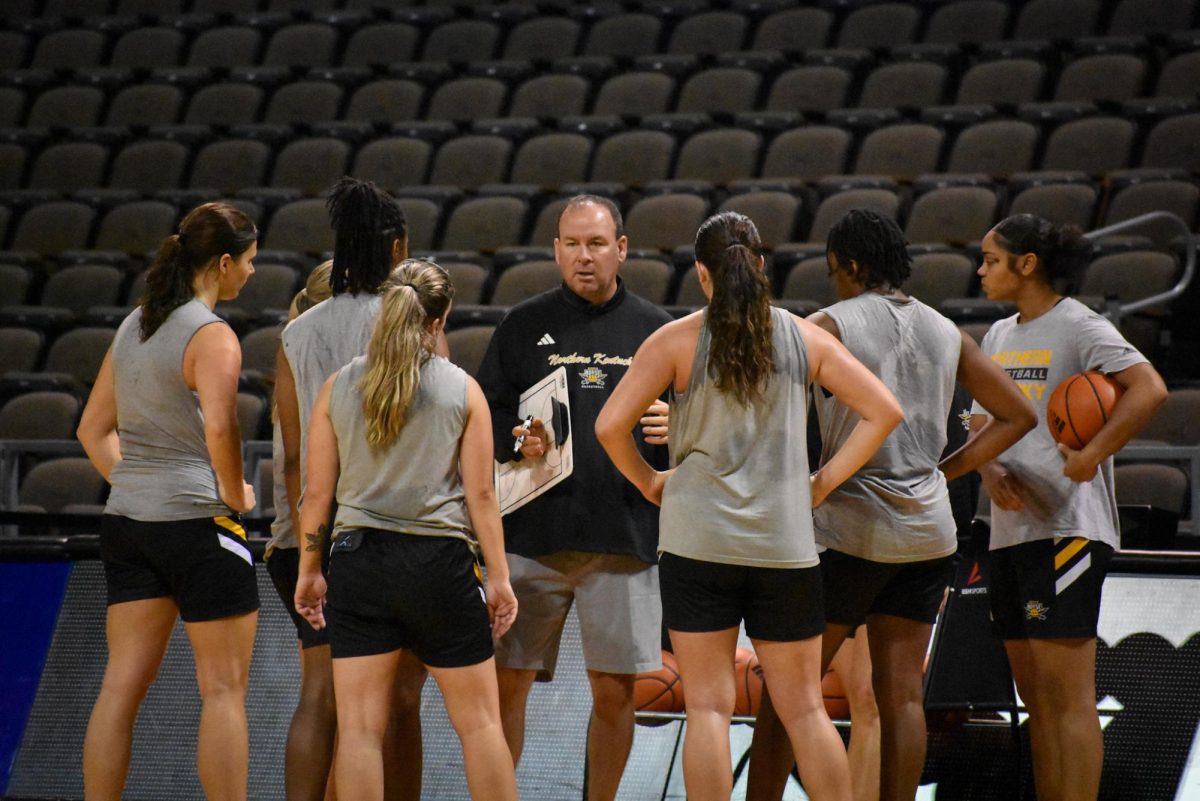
pixel 401 439
pixel 736 536
pixel 888 532
pixel 1054 511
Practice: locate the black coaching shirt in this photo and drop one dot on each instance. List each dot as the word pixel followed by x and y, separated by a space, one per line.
pixel 595 510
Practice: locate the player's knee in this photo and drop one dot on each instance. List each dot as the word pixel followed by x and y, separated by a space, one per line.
pixel 129 685
pixel 613 693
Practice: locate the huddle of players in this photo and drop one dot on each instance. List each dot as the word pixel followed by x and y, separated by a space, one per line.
pixel 883 524
pixel 371 416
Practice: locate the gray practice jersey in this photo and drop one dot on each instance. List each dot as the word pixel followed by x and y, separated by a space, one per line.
pixel 318 343
pixel 740 493
pixel 895 508
pixel 165 472
pixel 1068 339
pixel 413 485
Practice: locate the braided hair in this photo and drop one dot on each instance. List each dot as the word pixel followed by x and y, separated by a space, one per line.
pixel 366 221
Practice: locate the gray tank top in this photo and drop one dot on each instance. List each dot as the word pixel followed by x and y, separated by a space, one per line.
pixel 283 530
pixel 740 493
pixel 320 342
pixel 895 508
pixel 412 486
pixel 165 472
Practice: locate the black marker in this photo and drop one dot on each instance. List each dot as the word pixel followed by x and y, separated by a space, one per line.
pixel 521 439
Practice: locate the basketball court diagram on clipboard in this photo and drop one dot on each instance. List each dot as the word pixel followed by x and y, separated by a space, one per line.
pixel 519 482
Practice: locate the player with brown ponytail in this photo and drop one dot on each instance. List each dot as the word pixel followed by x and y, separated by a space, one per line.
pixel 736 535
pixel 161 426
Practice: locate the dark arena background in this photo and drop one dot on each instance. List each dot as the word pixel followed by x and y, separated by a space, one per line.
pixel 118 116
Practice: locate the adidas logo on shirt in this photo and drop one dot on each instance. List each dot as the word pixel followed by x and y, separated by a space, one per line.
pixel 546 340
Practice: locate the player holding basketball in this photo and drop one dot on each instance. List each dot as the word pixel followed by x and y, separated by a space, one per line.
pixel 888 531
pixel 1054 512
pixel 736 525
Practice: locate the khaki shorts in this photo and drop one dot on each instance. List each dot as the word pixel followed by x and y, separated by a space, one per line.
pixel 620 615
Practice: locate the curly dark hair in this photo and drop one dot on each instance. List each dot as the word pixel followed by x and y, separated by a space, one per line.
pixel 875 244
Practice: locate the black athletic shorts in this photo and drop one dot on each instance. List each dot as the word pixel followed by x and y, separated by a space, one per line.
pixel 202 564
pixel 389 591
pixel 284 566
pixel 1048 589
pixel 856 588
pixel 777 604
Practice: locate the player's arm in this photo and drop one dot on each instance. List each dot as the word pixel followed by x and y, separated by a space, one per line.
pixel 1145 392
pixel 650 373
pixel 212 363
pixel 287 412
pixel 323 468
pixel 833 367
pixel 1002 487
pixel 97 430
pixel 476 467
pixel 1011 415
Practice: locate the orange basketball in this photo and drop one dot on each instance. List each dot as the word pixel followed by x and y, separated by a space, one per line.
pixel 748 675
pixel 836 703
pixel 1080 406
pixel 659 690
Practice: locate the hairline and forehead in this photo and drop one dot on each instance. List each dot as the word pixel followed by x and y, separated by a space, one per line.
pixel 583 202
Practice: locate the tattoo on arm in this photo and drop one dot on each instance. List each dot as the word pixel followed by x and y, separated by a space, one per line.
pixel 318 541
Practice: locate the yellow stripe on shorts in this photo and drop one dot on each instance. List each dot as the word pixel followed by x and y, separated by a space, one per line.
pixel 231 526
pixel 1068 551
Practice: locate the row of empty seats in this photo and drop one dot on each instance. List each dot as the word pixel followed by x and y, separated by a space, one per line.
pixel 80 304
pixel 770 84
pixel 1096 146
pixel 934 208
pixel 519 31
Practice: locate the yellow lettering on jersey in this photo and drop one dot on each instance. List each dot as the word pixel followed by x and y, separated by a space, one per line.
pixel 1024 358
pixel 604 358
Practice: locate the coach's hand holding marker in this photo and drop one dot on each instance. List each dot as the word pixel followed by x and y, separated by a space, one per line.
pixel 531 438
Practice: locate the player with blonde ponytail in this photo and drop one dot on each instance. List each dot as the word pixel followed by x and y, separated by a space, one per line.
pixel 402 572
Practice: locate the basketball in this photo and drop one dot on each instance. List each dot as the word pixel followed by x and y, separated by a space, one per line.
pixel 1080 406
pixel 836 704
pixel 748 675
pixel 659 690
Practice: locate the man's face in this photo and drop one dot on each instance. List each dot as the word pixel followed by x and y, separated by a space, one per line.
pixel 588 252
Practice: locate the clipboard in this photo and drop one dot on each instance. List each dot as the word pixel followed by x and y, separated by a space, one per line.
pixel 519 482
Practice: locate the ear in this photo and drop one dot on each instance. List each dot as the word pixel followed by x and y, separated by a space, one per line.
pixel 1027 264
pixel 399 250
pixel 224 262
pixel 622 249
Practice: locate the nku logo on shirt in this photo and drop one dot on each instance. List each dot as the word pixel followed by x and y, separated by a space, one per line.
pixel 592 378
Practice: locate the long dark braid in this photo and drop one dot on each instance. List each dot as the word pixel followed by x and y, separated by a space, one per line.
pixel 366 221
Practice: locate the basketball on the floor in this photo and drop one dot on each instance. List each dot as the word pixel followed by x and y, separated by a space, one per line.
pixel 1080 406
pixel 659 690
pixel 836 703
pixel 748 675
